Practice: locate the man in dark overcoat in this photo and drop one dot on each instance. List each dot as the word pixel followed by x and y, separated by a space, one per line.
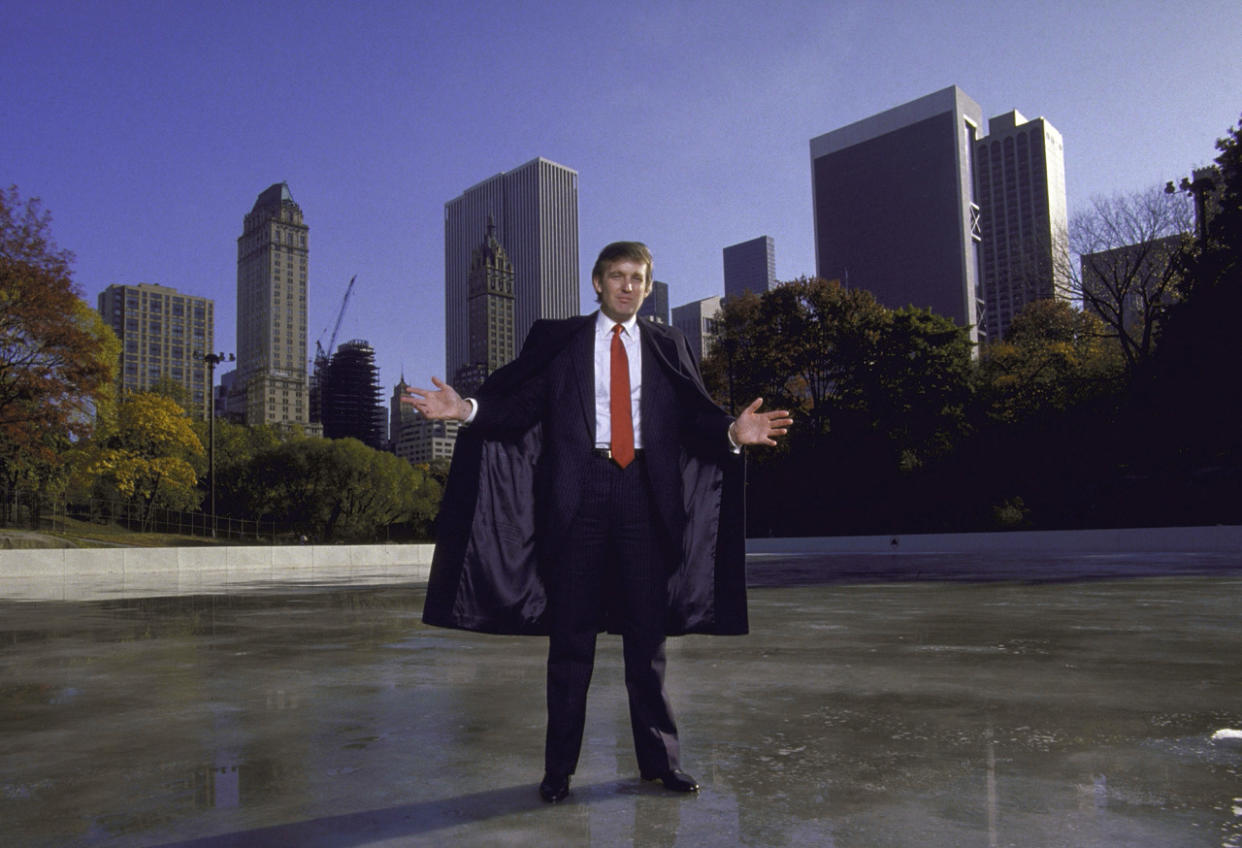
pixel 596 486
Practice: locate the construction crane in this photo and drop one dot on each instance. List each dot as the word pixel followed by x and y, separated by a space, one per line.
pixel 319 371
pixel 320 353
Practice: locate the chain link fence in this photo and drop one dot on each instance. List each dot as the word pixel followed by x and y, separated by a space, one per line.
pixel 30 511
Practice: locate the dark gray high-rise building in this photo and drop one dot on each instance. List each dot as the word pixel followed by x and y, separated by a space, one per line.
pixel 352 406
pixel 655 306
pixel 1020 186
pixel 894 207
pixel 271 312
pixel 535 212
pixel 750 266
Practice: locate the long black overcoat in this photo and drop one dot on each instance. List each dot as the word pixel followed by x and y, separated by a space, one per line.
pixel 515 480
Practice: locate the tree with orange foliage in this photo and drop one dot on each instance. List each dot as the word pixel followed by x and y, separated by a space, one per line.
pixel 147 455
pixel 57 357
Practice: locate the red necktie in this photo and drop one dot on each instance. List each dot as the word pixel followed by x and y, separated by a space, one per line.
pixel 619 402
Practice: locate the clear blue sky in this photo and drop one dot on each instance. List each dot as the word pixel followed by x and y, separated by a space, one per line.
pixel 148 128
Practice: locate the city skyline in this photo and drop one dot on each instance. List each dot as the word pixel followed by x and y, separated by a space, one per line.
pixel 688 128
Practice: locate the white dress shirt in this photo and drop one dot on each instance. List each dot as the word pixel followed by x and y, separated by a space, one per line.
pixel 603 377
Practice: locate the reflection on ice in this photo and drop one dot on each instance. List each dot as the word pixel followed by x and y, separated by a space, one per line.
pixel 852 716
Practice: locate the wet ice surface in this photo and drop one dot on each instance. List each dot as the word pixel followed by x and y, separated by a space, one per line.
pixel 1063 713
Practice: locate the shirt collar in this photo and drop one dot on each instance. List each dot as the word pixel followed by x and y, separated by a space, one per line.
pixel 604 324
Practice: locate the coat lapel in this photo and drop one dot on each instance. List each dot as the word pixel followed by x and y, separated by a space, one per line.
pixel 656 386
pixel 582 356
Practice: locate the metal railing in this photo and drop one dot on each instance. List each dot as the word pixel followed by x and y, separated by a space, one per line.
pixel 27 510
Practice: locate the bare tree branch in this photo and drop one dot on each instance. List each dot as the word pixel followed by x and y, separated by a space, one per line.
pixel 1124 263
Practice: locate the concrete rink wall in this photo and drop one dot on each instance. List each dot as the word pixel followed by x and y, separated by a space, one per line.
pixel 1219 539
pixel 84 574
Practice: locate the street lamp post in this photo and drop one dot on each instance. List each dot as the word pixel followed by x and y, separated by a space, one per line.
pixel 1200 183
pixel 212 360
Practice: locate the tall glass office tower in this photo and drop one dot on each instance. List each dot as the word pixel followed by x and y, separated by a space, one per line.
pixel 1020 181
pixel 534 210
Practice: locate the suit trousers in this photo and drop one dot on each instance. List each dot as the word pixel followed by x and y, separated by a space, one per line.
pixel 611 571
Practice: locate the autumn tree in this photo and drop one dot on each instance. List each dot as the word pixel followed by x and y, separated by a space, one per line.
pixel 178 392
pixel 1054 357
pixel 147 455
pixel 57 358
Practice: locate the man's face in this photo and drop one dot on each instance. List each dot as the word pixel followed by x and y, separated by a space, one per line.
pixel 622 289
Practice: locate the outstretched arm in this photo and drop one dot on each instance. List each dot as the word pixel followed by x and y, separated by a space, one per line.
pixel 753 427
pixel 441 403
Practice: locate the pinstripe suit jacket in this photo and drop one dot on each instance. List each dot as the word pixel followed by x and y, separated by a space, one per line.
pixel 516 479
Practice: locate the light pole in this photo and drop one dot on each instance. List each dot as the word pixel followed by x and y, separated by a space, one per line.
pixel 212 360
pixel 1200 183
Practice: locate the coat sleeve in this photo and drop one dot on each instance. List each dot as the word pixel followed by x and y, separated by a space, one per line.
pixel 707 592
pixel 513 399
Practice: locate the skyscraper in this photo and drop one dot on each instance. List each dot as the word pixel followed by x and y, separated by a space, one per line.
pixel 271 311
pixel 400 410
pixel 1020 181
pixel 352 405
pixel 164 335
pixel 491 303
pixel 535 211
pixel 750 266
pixel 894 207
pixel 697 320
pixel 655 305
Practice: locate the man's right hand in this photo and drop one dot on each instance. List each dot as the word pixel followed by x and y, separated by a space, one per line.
pixel 441 403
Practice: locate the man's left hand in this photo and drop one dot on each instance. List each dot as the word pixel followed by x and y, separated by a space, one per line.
pixel 753 427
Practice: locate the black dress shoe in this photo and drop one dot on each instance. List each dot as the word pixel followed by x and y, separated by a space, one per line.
pixel 675 780
pixel 554 787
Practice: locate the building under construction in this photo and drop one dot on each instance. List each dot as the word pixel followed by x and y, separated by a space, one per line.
pixel 351 399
